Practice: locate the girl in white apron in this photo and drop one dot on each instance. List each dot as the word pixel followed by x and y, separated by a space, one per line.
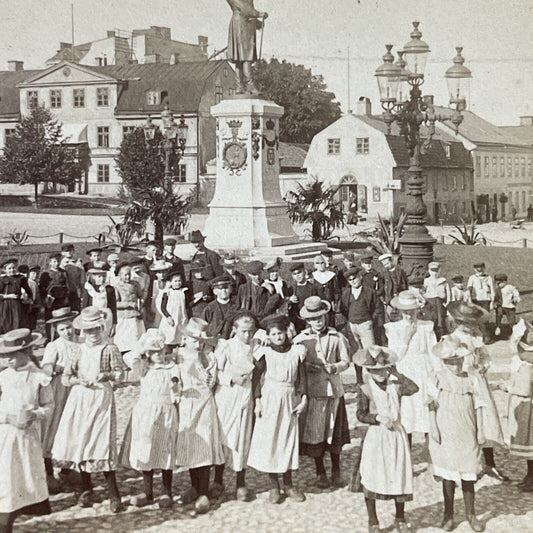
pixel 98 293
pixel 174 309
pixel 26 402
pixel 378 404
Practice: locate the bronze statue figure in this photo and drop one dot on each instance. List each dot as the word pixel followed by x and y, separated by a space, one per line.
pixel 242 40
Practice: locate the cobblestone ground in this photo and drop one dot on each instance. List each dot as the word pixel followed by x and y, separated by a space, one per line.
pixel 502 506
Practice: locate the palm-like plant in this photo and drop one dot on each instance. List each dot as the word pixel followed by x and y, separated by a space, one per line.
pixel 468 235
pixel 119 236
pixel 386 235
pixel 318 205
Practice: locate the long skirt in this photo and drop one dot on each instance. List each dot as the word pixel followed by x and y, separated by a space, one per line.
pixel 127 333
pixel 87 433
pixel 235 411
pixel 386 468
pixel 50 429
pixel 151 437
pixel 22 473
pixel 275 440
pixel 11 316
pixel 324 426
pixel 521 426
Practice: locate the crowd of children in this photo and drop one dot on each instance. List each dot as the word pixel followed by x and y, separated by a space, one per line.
pixel 244 370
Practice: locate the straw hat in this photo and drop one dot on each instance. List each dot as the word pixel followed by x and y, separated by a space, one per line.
pixel 196 236
pixel 195 328
pixel 450 348
pixel 97 270
pixel 467 312
pixel 152 340
pixel 92 317
pixel 382 257
pixel 160 265
pixel 18 339
pixel 408 300
pixel 63 314
pixel 314 307
pixel 375 357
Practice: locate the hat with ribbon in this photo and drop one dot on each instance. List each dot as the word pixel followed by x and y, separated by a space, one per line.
pixel 92 317
pixel 94 250
pixel 160 265
pixel 467 312
pixel 18 340
pixel 113 257
pixel 152 340
pixel 63 314
pixel 97 270
pixel 382 257
pixel 450 348
pixel 195 328
pixel 408 300
pixel 375 357
pixel 314 307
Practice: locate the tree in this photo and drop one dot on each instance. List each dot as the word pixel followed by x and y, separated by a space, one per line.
pixel 309 108
pixel 152 197
pixel 318 205
pixel 38 153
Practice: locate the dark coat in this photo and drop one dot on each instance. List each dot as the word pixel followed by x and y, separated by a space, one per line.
pixel 257 300
pixel 210 258
pixel 368 296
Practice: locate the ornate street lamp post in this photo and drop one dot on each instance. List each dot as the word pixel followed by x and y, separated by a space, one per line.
pixel 408 109
pixel 174 138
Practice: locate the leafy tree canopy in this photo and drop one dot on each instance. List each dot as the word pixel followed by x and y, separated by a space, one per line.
pixel 309 107
pixel 37 152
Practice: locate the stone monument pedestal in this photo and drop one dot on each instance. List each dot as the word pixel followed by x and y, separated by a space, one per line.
pixel 247 211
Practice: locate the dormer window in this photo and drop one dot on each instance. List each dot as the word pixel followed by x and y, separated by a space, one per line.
pixel 153 98
pixel 447 150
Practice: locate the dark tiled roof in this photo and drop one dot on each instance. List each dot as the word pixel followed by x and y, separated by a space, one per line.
pixel 479 130
pixel 184 83
pixel 80 51
pixel 292 155
pixel 436 154
pixel 524 133
pixel 9 92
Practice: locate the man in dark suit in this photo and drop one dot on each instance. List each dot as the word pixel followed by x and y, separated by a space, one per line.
pixel 300 290
pixel 205 255
pixel 374 280
pixel 229 264
pixel 395 282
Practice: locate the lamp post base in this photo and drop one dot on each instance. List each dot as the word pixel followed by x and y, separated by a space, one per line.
pixel 416 250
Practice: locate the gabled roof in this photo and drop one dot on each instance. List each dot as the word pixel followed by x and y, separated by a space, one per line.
pixel 524 133
pixel 184 83
pixel 9 92
pixel 436 153
pixel 80 51
pixel 292 155
pixel 478 130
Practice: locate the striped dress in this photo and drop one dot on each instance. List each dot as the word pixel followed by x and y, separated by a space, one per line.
pixel 199 436
pixel 151 436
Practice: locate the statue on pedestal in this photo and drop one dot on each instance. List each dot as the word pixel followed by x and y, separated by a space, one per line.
pixel 242 39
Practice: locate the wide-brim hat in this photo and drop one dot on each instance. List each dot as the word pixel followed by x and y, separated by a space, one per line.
pixel 449 348
pixel 170 241
pixel 89 252
pixel 18 339
pixel 314 307
pixel 467 312
pixel 160 266
pixel 97 270
pixel 408 300
pixel 382 257
pixel 92 317
pixel 113 257
pixel 152 340
pixel 122 265
pixel 375 357
pixel 195 328
pixel 174 272
pixel 9 260
pixel 196 236
pixel 63 314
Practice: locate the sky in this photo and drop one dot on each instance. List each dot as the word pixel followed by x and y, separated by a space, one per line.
pixel 496 36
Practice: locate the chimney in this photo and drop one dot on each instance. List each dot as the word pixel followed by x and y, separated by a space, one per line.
pixel 526 120
pixel 15 66
pixel 202 42
pixel 174 58
pixel 364 106
pixel 151 58
pixel 110 33
pixel 65 46
pixel 428 99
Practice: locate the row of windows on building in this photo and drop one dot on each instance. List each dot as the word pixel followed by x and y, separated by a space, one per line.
pixel 362 146
pixel 78 98
pixel 452 183
pixel 504 167
pixel 103 173
pixel 153 98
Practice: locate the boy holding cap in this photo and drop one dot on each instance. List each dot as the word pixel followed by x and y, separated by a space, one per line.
pixel 506 299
